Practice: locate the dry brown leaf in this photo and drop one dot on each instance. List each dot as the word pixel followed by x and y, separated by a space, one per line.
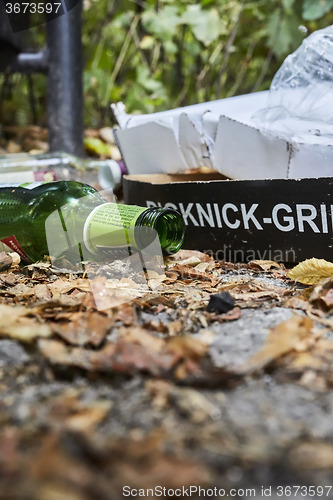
pixel 231 315
pixel 142 337
pixel 186 271
pixel 298 303
pixel 175 327
pixel 252 293
pixel 264 265
pixel 42 292
pixel 188 254
pixel 160 391
pixel 16 323
pixel 84 328
pixel 122 356
pixel 9 279
pixel 202 267
pixel 88 416
pixel 314 367
pixel 8 259
pixel 321 295
pixel 134 350
pixel 66 410
pixel 190 402
pixel 126 314
pixel 63 286
pixel 21 291
pixel 287 336
pixel 311 271
pixel 312 455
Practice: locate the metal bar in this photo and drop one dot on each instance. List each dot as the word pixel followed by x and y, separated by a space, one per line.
pixel 26 62
pixel 64 82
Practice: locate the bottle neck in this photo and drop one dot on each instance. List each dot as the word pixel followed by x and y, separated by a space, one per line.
pixel 165 223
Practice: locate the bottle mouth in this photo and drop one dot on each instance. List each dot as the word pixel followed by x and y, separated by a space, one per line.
pixel 165 223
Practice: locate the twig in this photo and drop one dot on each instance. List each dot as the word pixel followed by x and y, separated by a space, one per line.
pixel 241 73
pixel 227 52
pixel 208 65
pixel 120 58
pixel 268 59
pixel 263 71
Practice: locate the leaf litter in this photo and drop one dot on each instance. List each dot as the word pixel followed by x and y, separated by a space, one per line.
pixel 164 336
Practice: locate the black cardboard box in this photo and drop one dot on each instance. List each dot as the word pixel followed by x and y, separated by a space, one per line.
pixel 284 220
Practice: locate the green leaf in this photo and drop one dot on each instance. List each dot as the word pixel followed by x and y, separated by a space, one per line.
pixel 314 9
pixel 162 24
pixel 206 24
pixel 283 34
pixel 204 3
pixel 287 4
pixel 147 81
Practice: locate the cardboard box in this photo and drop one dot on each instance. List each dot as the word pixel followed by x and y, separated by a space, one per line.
pixel 222 135
pixel 241 220
pixel 268 214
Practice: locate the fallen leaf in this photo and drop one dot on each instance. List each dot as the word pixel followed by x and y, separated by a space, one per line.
pixel 252 293
pixel 264 265
pixel 321 295
pixel 202 267
pixel 189 402
pixel 8 259
pixel 283 338
pixel 42 292
pixel 311 271
pixel 313 368
pixel 67 410
pixel 297 303
pixel 134 350
pixel 62 286
pixel 183 254
pixel 126 314
pixel 232 315
pixel 312 455
pixel 175 327
pixel 187 271
pixel 15 322
pixel 9 279
pixel 83 328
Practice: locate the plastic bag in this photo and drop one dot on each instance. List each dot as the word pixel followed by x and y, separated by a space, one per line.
pixel 301 94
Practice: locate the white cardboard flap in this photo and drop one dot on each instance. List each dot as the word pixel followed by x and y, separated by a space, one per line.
pixel 192 143
pixel 150 148
pixel 311 160
pixel 243 152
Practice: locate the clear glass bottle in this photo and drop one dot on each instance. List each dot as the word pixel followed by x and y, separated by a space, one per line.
pixel 58 218
pixel 24 167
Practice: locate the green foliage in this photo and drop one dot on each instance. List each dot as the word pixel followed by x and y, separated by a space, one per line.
pixel 315 9
pixel 158 54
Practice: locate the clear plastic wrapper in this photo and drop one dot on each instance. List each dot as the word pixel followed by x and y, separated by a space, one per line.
pixel 301 94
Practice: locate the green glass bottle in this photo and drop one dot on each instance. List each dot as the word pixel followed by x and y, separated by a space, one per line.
pixel 58 218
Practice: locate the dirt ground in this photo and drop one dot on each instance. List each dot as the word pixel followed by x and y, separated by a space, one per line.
pixel 160 393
